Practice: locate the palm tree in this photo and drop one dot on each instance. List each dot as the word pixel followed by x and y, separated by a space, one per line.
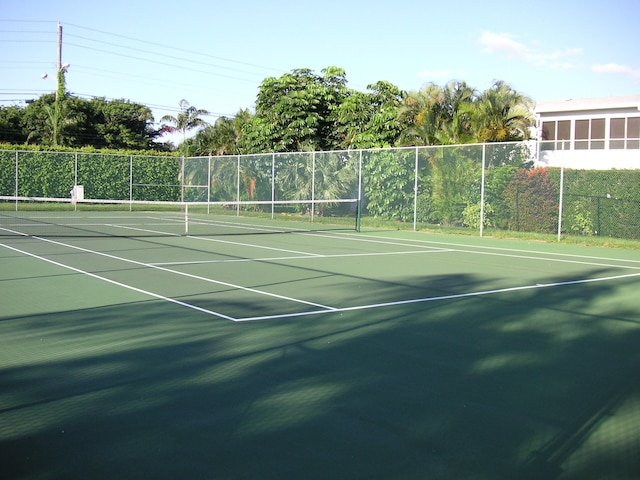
pixel 223 137
pixel 187 119
pixel 501 114
pixel 420 115
pixel 435 115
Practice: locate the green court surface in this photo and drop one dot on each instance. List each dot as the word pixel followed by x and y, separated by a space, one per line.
pixel 320 355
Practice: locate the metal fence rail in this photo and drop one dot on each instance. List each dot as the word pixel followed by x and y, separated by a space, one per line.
pixel 503 186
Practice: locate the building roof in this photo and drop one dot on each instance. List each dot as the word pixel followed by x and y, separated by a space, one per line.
pixel 629 102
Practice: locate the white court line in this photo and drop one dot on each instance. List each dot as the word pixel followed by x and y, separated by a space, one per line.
pixel 383 240
pixel 474 252
pixel 411 243
pixel 214 240
pixel 456 247
pixel 217 240
pixel 435 299
pixel 301 257
pixel 196 277
pixel 120 284
pixel 184 274
pixel 355 237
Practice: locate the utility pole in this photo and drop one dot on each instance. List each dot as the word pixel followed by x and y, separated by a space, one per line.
pixel 56 117
pixel 59 46
pixel 59 77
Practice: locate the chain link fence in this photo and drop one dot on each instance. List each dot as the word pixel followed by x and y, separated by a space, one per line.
pixel 496 186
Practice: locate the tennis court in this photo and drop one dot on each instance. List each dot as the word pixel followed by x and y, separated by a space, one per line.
pixel 313 354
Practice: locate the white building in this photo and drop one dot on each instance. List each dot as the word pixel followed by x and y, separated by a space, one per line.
pixel 593 133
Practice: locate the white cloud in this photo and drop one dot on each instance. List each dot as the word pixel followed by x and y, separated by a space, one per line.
pixel 506 44
pixel 617 69
pixel 502 43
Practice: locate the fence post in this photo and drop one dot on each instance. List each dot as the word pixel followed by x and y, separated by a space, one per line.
pixel 313 185
pixel 75 178
pixel 273 184
pixel 359 204
pixel 130 182
pixel 238 190
pixel 182 180
pixel 415 195
pixel 209 185
pixel 561 200
pixel 484 153
pixel 16 182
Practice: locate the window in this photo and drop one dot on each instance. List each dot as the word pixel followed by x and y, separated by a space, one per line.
pixel 589 134
pixel 556 135
pixel 582 135
pixel 564 133
pixel 633 133
pixel 597 134
pixel 618 133
pixel 548 130
pixel 624 133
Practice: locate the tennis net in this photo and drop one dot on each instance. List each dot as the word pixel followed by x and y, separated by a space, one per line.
pixel 61 217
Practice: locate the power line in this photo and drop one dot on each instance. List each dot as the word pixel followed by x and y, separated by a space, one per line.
pixel 176 48
pixel 45 32
pixel 159 63
pixel 111 48
pixel 164 55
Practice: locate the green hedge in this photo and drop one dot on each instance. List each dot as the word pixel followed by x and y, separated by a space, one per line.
pixel 104 176
pixel 601 202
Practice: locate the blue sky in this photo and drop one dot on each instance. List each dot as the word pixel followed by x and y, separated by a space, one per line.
pixel 216 53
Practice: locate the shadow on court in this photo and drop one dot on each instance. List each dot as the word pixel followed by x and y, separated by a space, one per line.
pixel 535 384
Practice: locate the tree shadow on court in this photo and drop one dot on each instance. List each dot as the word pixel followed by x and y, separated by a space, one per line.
pixel 531 384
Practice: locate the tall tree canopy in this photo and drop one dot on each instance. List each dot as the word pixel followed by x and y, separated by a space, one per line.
pixel 296 112
pixel 369 119
pixel 75 122
pixel 299 111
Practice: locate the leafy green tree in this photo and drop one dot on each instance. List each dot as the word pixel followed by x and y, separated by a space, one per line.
pixel 51 120
pixel 296 112
pixel 74 122
pixel 11 130
pixel 389 183
pixel 120 124
pixel 369 119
